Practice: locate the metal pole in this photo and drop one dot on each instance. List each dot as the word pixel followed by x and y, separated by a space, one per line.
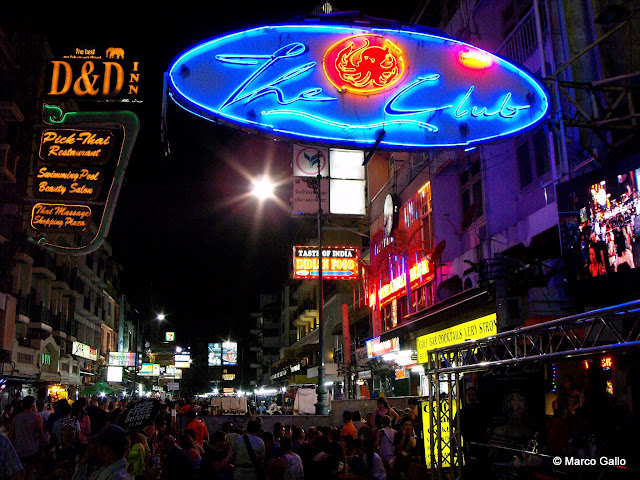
pixel 322 407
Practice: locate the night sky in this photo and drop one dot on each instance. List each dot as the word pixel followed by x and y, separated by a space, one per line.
pixel 189 242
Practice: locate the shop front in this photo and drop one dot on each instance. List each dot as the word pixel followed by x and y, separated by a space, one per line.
pixel 563 389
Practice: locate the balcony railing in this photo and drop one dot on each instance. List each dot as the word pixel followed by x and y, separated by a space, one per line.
pixel 522 42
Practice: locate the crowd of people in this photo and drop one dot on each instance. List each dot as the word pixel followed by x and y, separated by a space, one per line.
pixel 85 439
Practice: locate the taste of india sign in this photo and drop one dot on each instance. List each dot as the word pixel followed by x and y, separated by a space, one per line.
pixel 353 85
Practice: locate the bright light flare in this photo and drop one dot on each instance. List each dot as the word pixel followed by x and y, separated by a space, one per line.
pixel 161 316
pixel 263 188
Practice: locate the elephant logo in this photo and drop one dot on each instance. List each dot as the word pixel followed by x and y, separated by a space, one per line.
pixel 113 52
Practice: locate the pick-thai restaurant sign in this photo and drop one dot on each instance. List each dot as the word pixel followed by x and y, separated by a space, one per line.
pixel 71 145
pixel 82 157
pixel 337 262
pixel 353 85
pixel 109 73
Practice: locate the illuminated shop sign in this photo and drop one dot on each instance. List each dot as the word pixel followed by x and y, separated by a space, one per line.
pixel 228 376
pixel 182 357
pixel 45 359
pixel 150 369
pixel 169 336
pixel 337 262
pixel 65 145
pixel 122 359
pixel 376 347
pixel 60 218
pixel 84 351
pixel 68 183
pixel 229 353
pixel 419 274
pixel 99 74
pixel 344 85
pixel 75 181
pixel 215 354
pixel 474 330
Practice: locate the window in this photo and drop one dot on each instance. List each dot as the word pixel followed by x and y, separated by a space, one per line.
pixel 533 158
pixel 471 189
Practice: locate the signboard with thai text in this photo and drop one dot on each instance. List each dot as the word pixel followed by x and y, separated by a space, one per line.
pixel 337 262
pixel 122 359
pixel 110 73
pixel 357 85
pixel 473 330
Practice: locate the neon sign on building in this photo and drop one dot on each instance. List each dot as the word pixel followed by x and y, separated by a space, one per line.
pixel 337 262
pixel 419 274
pixel 344 85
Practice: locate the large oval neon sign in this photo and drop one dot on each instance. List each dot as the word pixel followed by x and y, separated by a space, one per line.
pixel 344 85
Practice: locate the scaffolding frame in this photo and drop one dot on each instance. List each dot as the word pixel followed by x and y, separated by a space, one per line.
pixel 607 330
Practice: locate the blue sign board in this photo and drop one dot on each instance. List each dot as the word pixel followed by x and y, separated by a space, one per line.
pixel 351 85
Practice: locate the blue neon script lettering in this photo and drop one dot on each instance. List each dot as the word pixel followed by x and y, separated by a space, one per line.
pixel 390 110
pixel 289 51
pixel 505 110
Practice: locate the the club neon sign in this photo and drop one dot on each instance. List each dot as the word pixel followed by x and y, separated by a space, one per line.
pixel 343 85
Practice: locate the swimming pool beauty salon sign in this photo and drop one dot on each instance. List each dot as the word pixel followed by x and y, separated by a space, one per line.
pixel 351 85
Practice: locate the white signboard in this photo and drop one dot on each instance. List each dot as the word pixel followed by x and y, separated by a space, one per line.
pixel 114 374
pixel 306 160
pixel 84 351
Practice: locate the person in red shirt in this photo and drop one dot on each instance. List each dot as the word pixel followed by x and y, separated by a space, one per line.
pixel 198 427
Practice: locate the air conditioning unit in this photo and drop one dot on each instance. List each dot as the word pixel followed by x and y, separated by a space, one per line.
pixel 8 163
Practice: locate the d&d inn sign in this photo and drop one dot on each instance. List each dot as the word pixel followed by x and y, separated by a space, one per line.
pixel 353 85
pixel 93 74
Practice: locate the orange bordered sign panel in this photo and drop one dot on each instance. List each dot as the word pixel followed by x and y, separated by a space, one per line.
pixel 337 262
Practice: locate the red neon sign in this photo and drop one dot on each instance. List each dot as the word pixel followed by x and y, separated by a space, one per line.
pixel 364 64
pixel 607 362
pixel 419 274
pixel 476 59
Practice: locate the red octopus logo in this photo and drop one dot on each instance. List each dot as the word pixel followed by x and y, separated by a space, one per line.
pixel 364 64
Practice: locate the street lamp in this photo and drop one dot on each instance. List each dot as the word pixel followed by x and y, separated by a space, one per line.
pixel 264 189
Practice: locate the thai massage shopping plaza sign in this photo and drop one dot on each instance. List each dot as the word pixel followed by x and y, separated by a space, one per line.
pixel 352 85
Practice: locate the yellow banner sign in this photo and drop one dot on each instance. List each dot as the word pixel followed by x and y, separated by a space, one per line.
pixel 444 429
pixel 475 329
